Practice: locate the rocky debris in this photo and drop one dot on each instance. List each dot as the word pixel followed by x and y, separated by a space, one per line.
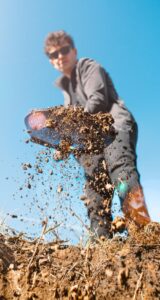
pixel 111 269
pixel 58 155
pixel 118 224
pixel 59 189
pixel 78 131
pixel 100 181
pixel 26 166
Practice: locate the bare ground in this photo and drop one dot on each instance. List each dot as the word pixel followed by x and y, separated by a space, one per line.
pixel 120 268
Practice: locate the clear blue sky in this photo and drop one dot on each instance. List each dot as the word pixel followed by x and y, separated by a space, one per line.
pixel 122 35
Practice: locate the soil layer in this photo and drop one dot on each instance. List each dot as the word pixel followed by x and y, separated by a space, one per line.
pixel 119 268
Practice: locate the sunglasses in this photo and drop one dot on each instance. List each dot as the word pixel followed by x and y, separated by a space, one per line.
pixel 64 51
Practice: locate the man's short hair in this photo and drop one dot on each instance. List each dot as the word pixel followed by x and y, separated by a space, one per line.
pixel 57 38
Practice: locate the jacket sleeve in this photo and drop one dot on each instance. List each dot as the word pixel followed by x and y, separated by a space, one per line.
pixel 93 80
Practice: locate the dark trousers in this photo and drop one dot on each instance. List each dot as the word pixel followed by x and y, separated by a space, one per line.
pixel 122 174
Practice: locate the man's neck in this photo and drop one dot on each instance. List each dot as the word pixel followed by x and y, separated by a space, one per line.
pixel 68 74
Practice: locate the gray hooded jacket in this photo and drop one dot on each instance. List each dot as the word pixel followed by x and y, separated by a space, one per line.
pixel 94 90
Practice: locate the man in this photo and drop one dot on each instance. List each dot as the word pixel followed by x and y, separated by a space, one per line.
pixel 86 83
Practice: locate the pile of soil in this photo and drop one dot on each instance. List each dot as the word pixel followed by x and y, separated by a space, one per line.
pixel 119 268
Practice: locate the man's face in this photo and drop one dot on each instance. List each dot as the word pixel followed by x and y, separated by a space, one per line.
pixel 63 58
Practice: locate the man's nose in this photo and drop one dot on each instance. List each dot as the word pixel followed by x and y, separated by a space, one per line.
pixel 60 55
